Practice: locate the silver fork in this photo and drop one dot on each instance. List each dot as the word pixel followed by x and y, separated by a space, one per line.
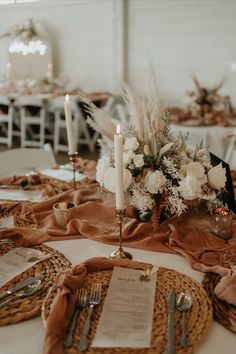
pixel 79 305
pixel 94 299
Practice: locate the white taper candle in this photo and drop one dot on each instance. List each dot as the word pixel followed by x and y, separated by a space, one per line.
pixel 118 152
pixel 69 125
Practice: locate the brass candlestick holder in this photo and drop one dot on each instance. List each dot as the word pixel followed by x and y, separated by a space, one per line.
pixel 120 253
pixel 73 160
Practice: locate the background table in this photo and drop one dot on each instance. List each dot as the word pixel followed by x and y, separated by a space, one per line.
pixel 27 337
pixel 212 137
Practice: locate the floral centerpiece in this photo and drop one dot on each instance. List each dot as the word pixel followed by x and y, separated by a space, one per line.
pixel 161 173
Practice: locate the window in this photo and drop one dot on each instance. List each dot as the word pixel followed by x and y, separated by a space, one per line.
pixel 10 2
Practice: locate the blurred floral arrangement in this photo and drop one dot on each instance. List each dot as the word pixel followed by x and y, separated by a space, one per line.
pixel 206 104
pixel 25 31
pixel 205 100
pixel 30 86
pixel 160 172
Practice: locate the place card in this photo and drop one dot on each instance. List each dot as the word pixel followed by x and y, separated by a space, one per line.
pixel 7 223
pixel 127 315
pixel 17 261
pixel 65 175
pixel 20 195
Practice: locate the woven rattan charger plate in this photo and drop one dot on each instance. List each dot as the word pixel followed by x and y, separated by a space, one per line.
pixel 28 307
pixel 199 317
pixel 223 312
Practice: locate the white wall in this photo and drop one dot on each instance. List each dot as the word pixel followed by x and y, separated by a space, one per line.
pixel 179 37
pixel 82 35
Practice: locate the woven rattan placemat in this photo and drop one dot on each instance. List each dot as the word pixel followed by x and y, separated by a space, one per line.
pixel 28 307
pixel 223 312
pixel 199 317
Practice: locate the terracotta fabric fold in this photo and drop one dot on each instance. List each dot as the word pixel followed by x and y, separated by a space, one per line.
pixel 64 304
pixel 24 236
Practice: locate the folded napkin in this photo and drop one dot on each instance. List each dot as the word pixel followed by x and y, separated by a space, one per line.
pixel 226 288
pixel 206 252
pixel 24 237
pixel 63 306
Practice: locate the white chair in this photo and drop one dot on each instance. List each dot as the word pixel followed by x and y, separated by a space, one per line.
pixel 230 155
pixel 6 121
pixel 24 160
pixel 32 117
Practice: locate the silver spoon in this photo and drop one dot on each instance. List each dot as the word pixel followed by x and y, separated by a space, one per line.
pixel 184 303
pixel 29 290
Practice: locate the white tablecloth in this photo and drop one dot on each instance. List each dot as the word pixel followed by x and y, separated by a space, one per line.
pixel 212 136
pixel 27 337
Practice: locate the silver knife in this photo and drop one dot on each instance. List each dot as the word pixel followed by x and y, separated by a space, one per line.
pixel 20 286
pixel 170 348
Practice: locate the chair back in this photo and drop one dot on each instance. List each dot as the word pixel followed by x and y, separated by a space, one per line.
pixel 4 101
pixel 32 101
pixel 57 103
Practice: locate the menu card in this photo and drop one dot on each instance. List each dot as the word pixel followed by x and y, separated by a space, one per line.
pixel 17 261
pixel 127 315
pixel 65 175
pixel 20 195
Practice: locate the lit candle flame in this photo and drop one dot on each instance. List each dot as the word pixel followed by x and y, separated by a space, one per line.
pixel 67 97
pixel 118 129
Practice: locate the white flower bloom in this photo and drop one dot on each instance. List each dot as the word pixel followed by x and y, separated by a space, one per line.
pixel 141 200
pixel 190 187
pixel 196 169
pixel 131 144
pixel 127 157
pixel 154 182
pixel 138 160
pixel 110 180
pixel 217 177
pixel 127 179
pixel 146 150
pixel 203 155
pixel 103 164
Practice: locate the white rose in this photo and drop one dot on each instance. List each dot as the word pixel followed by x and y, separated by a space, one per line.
pixel 203 155
pixel 190 187
pixel 196 169
pixel 154 182
pixel 217 177
pixel 127 157
pixel 110 179
pixel 102 165
pixel 127 179
pixel 131 144
pixel 138 160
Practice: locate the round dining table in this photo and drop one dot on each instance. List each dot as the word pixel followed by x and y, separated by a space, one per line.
pixel 214 137
pixel 27 337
